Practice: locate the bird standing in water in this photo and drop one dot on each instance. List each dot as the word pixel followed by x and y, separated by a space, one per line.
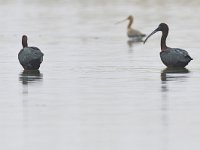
pixel 30 57
pixel 132 33
pixel 171 57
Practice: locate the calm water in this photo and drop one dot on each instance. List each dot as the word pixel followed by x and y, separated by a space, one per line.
pixel 95 90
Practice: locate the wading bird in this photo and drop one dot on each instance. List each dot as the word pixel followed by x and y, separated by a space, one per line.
pixel 171 57
pixel 30 57
pixel 132 33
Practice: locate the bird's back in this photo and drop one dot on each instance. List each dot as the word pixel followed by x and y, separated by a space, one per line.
pixel 29 55
pixel 134 33
pixel 175 57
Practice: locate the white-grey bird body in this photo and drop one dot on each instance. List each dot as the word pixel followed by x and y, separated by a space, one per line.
pixel 30 57
pixel 131 33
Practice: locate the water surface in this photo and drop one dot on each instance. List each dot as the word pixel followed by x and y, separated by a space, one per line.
pixel 96 90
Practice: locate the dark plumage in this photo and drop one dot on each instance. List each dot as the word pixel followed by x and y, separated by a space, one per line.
pixel 171 57
pixel 30 57
pixel 175 57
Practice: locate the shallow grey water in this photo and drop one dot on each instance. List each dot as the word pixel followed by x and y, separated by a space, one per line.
pixel 94 89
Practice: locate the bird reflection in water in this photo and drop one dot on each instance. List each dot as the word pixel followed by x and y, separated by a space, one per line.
pixel 30 76
pixel 164 132
pixel 171 74
pixel 131 43
pixel 167 75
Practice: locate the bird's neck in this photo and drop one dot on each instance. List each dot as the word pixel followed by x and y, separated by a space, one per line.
pixel 163 40
pixel 24 43
pixel 130 23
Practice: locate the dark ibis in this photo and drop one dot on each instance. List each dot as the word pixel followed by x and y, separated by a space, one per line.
pixel 30 57
pixel 171 57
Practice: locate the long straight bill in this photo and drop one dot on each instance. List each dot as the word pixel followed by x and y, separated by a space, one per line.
pixel 120 21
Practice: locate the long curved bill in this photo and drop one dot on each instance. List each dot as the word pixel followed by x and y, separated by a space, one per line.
pixel 156 30
pixel 121 21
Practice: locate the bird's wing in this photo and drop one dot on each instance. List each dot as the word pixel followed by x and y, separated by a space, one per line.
pixel 175 56
pixel 28 54
pixel 134 32
pixel 36 52
pixel 183 53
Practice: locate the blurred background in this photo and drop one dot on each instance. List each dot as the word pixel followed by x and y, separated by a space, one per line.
pixel 95 89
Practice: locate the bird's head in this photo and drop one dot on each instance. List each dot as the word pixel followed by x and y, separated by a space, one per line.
pixel 130 18
pixel 161 27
